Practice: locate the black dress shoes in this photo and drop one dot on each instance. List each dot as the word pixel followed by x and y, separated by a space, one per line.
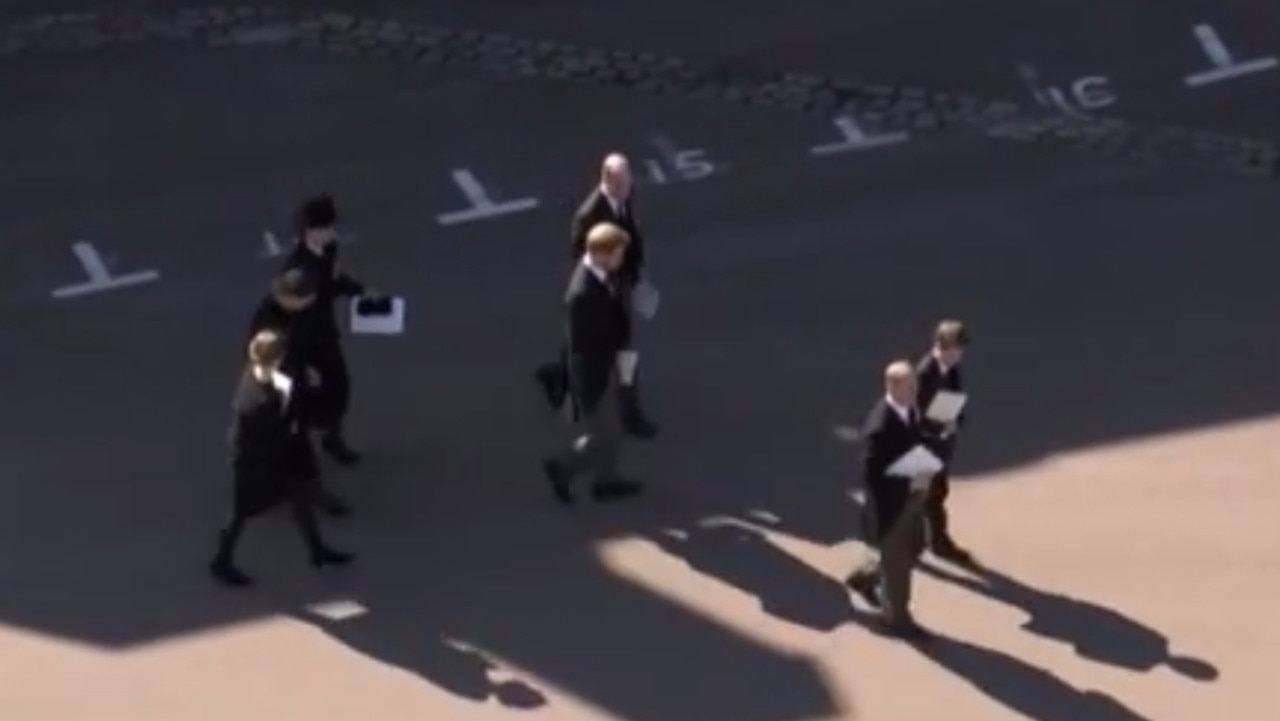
pixel 559 481
pixel 551 381
pixel 948 550
pixel 226 573
pixel 908 630
pixel 336 447
pixel 325 556
pixel 331 504
pixel 638 426
pixel 866 587
pixel 615 490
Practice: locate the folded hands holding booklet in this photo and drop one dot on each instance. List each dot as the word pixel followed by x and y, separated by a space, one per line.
pixel 918 465
pixel 377 315
pixel 645 299
pixel 946 407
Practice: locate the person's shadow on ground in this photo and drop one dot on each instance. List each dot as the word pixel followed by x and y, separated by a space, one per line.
pixel 1031 691
pixel 452 667
pixel 740 555
pixel 1095 632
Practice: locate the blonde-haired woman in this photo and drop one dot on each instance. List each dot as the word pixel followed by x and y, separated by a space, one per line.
pixel 265 433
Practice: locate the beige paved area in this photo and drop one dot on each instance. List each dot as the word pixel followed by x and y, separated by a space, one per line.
pixel 1156 603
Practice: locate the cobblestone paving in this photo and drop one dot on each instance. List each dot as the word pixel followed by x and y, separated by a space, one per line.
pixel 886 106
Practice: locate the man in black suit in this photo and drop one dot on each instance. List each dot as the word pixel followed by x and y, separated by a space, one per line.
pixel 595 352
pixel 939 370
pixel 610 202
pixel 893 504
pixel 317 252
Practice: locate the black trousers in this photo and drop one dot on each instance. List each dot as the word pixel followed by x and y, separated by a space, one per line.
pixel 935 501
pixel 330 401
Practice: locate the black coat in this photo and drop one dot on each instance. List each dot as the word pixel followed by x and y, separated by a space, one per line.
pixel 333 283
pixel 270 453
pixel 596 330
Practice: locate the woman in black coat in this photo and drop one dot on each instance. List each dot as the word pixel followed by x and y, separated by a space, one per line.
pixel 265 435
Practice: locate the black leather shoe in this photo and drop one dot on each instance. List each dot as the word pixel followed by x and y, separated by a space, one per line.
pixel 550 380
pixel 908 630
pixel 949 551
pixel 332 505
pixel 226 573
pixel 325 556
pixel 336 447
pixel 866 588
pixel 615 490
pixel 637 426
pixel 559 482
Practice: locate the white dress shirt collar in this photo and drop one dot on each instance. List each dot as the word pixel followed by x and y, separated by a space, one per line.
pixel 617 206
pixel 601 274
pixel 942 365
pixel 904 412
pixel 281 382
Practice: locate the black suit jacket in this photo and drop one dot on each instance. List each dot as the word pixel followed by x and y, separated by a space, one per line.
pixel 333 283
pixel 886 437
pixel 596 330
pixel 930 378
pixel 596 209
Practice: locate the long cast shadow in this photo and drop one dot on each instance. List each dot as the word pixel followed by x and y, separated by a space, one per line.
pixel 579 628
pixel 1019 686
pixel 1095 632
pixel 737 553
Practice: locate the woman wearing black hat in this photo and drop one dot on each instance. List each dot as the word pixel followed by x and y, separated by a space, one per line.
pixel 290 310
pixel 264 432
pixel 317 252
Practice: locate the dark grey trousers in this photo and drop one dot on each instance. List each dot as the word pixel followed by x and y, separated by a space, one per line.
pixel 894 558
pixel 595 444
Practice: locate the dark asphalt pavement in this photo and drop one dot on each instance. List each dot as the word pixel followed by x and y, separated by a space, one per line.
pixel 1110 300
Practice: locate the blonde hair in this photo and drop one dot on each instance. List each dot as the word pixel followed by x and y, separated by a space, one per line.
pixel 899 370
pixel 606 238
pixel 266 348
pixel 950 334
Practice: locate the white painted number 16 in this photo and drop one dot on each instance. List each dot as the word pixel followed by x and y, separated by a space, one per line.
pixel 1088 93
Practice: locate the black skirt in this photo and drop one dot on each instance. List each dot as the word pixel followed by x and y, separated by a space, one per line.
pixel 262 485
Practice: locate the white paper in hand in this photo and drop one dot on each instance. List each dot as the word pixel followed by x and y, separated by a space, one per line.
pixel 645 299
pixel 282 383
pixel 946 406
pixel 627 362
pixel 389 324
pixel 919 461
